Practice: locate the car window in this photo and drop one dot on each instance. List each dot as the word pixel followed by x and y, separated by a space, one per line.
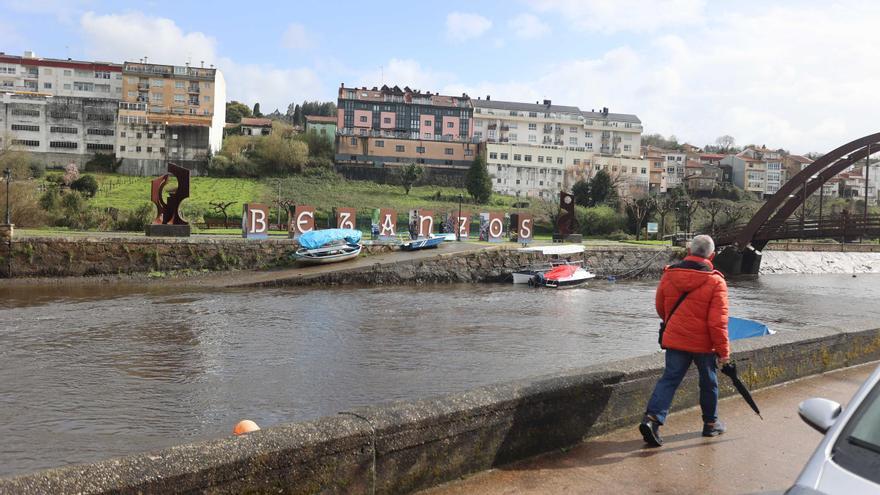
pixel 858 447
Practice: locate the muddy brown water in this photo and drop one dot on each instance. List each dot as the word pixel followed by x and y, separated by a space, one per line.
pixel 95 371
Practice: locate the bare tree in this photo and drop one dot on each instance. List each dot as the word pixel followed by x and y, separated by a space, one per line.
pixel 220 207
pixel 640 208
pixel 713 208
pixel 725 142
pixel 688 206
pixel 663 205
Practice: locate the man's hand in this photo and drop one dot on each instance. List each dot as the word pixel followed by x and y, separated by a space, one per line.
pixel 722 361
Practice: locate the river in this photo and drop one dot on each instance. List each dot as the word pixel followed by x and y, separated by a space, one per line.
pixel 93 371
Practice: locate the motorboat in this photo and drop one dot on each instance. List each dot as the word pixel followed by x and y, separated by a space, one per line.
pixel 426 243
pixel 328 246
pixel 524 274
pixel 562 277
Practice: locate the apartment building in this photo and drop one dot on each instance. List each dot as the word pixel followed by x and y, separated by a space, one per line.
pixel 322 126
pixel 775 173
pixel 389 127
pixel 749 174
pixel 63 111
pixel 676 168
pixel 169 113
pixel 530 147
pixel 657 180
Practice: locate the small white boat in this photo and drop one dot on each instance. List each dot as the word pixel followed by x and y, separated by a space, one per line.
pixel 328 254
pixel 562 277
pixel 524 274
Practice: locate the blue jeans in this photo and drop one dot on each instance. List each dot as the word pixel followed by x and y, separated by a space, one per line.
pixel 677 364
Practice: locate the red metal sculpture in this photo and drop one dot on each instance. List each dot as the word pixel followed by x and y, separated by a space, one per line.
pixel 169 212
pixel 566 222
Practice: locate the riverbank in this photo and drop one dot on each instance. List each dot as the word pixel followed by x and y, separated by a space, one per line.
pixel 406 446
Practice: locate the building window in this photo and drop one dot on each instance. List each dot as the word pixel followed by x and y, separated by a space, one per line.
pixel 149 149
pixel 420 149
pixel 363 119
pixel 380 143
pixel 83 86
pixel 513 136
pixel 572 129
pixel 644 170
pixel 354 141
pixel 559 160
pixel 363 132
pixel 428 135
pixel 62 144
pixel 23 127
pixel 23 112
pixel 533 127
pixel 137 149
pixel 533 138
pixel 400 148
pixel 450 125
pixel 517 181
pixel 528 158
pixel 504 156
pixel 47 85
pixel 122 148
pixel 577 161
pixel 67 86
pixel 493 156
pixel 517 157
pixel 386 120
pixel 627 147
pixel 468 152
pixel 99 147
pixel 478 135
pixel 499 168
pixel 25 142
pixel 588 134
pixel 540 158
pixel 447 151
pixel 573 141
pixel 479 123
pixel 428 123
pixel 589 146
pixel 498 180
pixel 69 130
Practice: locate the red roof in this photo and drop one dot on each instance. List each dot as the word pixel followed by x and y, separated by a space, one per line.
pixel 320 119
pixel 712 156
pixel 253 122
pixel 800 159
pixel 66 64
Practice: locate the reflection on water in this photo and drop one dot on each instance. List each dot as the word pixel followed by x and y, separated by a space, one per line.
pixel 90 372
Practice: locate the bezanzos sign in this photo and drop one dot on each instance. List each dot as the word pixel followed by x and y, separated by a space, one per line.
pixel 386 224
pixel 345 218
pixel 255 221
pixel 421 223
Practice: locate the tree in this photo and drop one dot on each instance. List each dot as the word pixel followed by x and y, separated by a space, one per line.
pixel 639 209
pixel 86 184
pixel 713 208
pixel 409 175
pixel 257 112
pixel 235 111
pixel 297 115
pixel 479 183
pixel 220 207
pixel 725 142
pixel 279 156
pixel 71 174
pixel 663 205
pixel 581 192
pixel 601 189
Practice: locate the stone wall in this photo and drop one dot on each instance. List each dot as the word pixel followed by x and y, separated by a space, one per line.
pixel 407 446
pixel 75 256
pixel 494 265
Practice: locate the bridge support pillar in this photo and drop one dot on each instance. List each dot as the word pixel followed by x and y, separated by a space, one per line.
pixel 732 261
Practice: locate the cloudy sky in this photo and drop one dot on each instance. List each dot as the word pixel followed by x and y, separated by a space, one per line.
pixel 796 74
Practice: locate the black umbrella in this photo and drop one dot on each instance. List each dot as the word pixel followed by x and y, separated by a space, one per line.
pixel 729 369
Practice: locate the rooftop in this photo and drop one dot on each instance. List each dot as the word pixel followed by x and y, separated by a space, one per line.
pixel 321 119
pixel 31 58
pixel 524 107
pixel 256 122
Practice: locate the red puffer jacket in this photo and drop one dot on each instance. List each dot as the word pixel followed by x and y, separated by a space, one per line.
pixel 700 322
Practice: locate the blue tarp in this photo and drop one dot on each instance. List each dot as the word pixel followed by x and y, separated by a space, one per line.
pixel 740 328
pixel 317 238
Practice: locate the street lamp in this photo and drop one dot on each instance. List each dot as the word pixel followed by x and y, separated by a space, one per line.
pixel 7 174
pixel 457 222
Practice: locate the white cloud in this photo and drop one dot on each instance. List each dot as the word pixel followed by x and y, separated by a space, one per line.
pixel 296 37
pixel 528 26
pixel 404 72
pixel 130 36
pixel 610 16
pixel 462 26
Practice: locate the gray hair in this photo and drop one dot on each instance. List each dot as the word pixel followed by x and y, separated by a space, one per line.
pixel 702 246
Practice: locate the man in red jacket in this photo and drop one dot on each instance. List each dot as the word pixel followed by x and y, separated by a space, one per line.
pixel 696 332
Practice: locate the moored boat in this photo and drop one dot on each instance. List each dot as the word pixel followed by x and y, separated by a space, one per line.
pixel 524 274
pixel 328 246
pixel 562 277
pixel 427 243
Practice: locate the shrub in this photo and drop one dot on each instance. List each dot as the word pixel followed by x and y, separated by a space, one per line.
pixel 619 235
pixel 136 219
pixel 37 169
pixel 599 220
pixel 87 185
pixel 71 173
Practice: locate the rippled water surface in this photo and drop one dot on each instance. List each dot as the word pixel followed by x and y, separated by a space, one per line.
pixel 92 372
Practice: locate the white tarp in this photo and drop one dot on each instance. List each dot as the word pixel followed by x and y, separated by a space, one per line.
pixel 557 249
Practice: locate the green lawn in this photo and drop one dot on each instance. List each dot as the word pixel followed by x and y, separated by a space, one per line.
pixel 128 193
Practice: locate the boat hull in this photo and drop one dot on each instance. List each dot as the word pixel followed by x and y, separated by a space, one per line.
pixel 327 255
pixel 430 243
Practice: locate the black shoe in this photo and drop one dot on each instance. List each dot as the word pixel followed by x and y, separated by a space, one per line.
pixel 713 430
pixel 650 430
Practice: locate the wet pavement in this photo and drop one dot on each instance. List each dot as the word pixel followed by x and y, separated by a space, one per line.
pixel 754 456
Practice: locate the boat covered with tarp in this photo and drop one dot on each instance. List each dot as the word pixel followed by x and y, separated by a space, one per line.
pixel 328 245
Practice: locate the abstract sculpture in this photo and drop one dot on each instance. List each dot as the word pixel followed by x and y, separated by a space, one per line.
pixel 566 222
pixel 168 221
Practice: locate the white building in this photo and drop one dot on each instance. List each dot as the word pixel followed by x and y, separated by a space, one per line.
pixel 538 149
pixel 676 167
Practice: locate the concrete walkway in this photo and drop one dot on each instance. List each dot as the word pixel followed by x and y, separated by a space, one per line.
pixel 754 456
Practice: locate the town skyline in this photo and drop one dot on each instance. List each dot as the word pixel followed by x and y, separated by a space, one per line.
pixel 687 68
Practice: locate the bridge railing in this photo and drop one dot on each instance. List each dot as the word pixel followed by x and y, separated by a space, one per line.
pixel 838 226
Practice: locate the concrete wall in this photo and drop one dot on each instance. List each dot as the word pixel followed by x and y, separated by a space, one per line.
pixel 406 446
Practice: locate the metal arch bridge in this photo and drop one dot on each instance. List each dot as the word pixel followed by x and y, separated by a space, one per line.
pixel 742 247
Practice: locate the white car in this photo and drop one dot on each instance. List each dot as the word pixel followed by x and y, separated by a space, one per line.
pixel 848 459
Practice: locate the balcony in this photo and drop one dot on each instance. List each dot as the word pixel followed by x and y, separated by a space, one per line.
pixel 143 86
pixel 504 128
pixel 548 129
pixel 193 89
pixel 492 127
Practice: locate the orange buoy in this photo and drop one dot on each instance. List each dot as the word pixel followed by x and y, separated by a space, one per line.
pixel 245 426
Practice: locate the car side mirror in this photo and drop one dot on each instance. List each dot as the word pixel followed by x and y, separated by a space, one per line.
pixel 819 413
